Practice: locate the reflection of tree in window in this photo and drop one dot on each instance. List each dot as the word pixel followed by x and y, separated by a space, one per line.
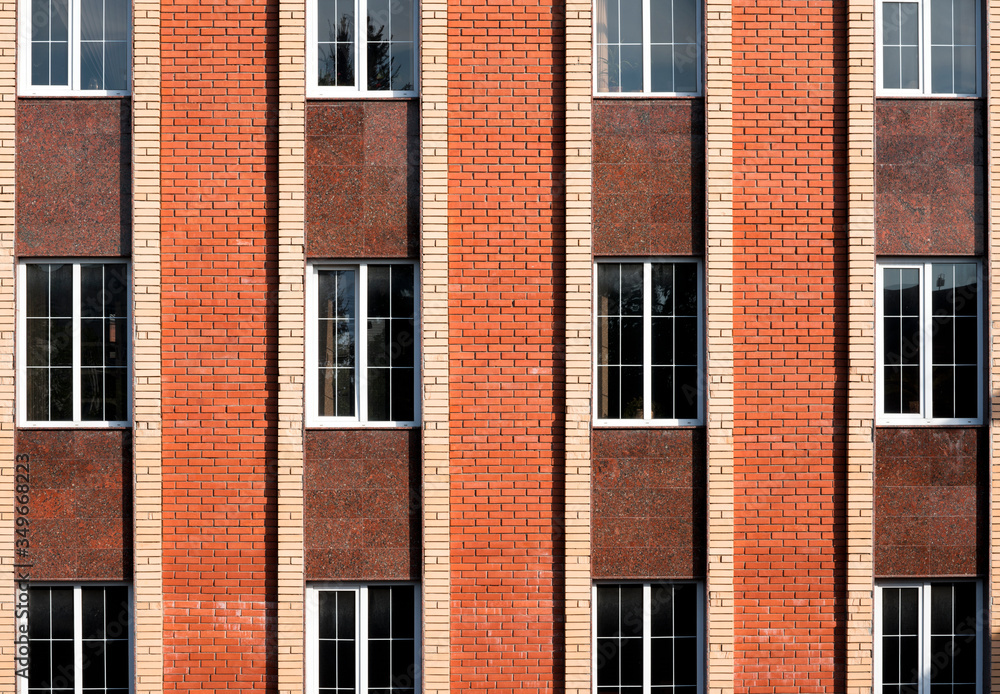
pixel 336 57
pixel 383 68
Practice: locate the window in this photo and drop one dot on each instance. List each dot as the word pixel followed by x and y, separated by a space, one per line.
pixel 361 344
pixel 647 47
pixel 75 46
pixel 929 47
pixel 929 342
pixel 79 640
pixel 928 638
pixel 649 343
pixel 648 638
pixel 74 347
pixel 343 61
pixel 362 639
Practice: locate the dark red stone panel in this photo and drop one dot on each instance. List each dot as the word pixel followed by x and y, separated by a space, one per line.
pixel 362 179
pixel 74 177
pixel 929 177
pixel 930 496
pixel 80 503
pixel 362 504
pixel 649 177
pixel 648 503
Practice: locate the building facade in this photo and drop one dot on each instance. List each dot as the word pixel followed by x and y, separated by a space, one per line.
pixel 619 346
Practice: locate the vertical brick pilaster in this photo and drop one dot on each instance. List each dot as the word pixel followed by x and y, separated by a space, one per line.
pixel 291 126
pixel 8 41
pixel 991 41
pixel 506 335
pixel 220 346
pixel 790 327
pixel 719 341
pixel 579 344
pixel 435 458
pixel 147 413
pixel 861 310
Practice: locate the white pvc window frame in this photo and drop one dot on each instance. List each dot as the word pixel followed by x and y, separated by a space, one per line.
pixel 360 419
pixel 22 623
pixel 24 85
pixel 647 63
pixel 647 587
pixel 926 661
pixel 926 352
pixel 924 67
pixel 360 591
pixel 22 360
pixel 360 88
pixel 647 347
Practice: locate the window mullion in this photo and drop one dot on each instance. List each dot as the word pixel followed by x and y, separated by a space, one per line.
pixel 647 646
pixel 647 53
pixel 361 343
pixel 361 45
pixel 926 357
pixel 361 638
pixel 647 339
pixel 73 50
pixel 77 639
pixel 924 639
pixel 924 54
pixel 77 394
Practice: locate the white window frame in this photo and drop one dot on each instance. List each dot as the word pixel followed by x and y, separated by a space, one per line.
pixel 22 361
pixel 923 68
pixel 647 318
pixel 647 629
pixel 313 419
pixel 24 85
pixel 924 620
pixel 360 629
pixel 926 357
pixel 360 88
pixel 22 622
pixel 647 63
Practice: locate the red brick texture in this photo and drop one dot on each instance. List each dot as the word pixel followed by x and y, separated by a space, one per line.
pixel 506 360
pixel 219 313
pixel 790 335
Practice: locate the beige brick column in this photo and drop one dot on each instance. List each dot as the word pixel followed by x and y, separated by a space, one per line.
pixel 579 356
pixel 861 331
pixel 434 343
pixel 8 40
pixel 991 89
pixel 291 124
pixel 719 340
pixel 147 421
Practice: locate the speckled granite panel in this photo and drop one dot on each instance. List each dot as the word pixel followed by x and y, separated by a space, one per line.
pixel 362 179
pixel 929 177
pixel 362 504
pixel 648 503
pixel 74 177
pixel 649 177
pixel 80 503
pixel 930 495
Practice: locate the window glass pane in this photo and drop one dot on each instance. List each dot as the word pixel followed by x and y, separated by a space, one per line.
pixel 909 24
pixel 116 20
pixel 686 392
pixel 402 395
pixel 661 21
pixel 662 68
pixel 60 290
pixel 38 394
pixel 909 68
pixel 61 605
pixel 631 610
pixel 685 21
pixel 92 65
pixel 662 341
pixel 118 657
pixel 92 672
pixel 630 21
pixel 116 65
pixel 965 70
pixel 379 664
pixel 941 22
pixel 631 289
pixel 401 62
pixel 631 662
pixel 379 612
pixel 608 604
pixel 942 81
pixel 662 390
pixel 631 68
pixel 91 20
pixel 685 68
pixel 890 23
pixel 661 609
pixel 631 392
pixel 966 289
pixel 608 68
pixel 686 341
pixel 943 391
pixel 402 342
pixel 661 671
pixel 965 22
pixel 966 392
pixel 403 612
pixel 608 664
pixel 966 340
pixel 909 611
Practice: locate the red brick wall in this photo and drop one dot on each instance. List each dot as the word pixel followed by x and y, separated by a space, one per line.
pixel 930 176
pixel 648 503
pixel 219 241
pixel 80 503
pixel 649 176
pixel 506 306
pixel 790 335
pixel 930 501
pixel 362 504
pixel 74 177
pixel 362 179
